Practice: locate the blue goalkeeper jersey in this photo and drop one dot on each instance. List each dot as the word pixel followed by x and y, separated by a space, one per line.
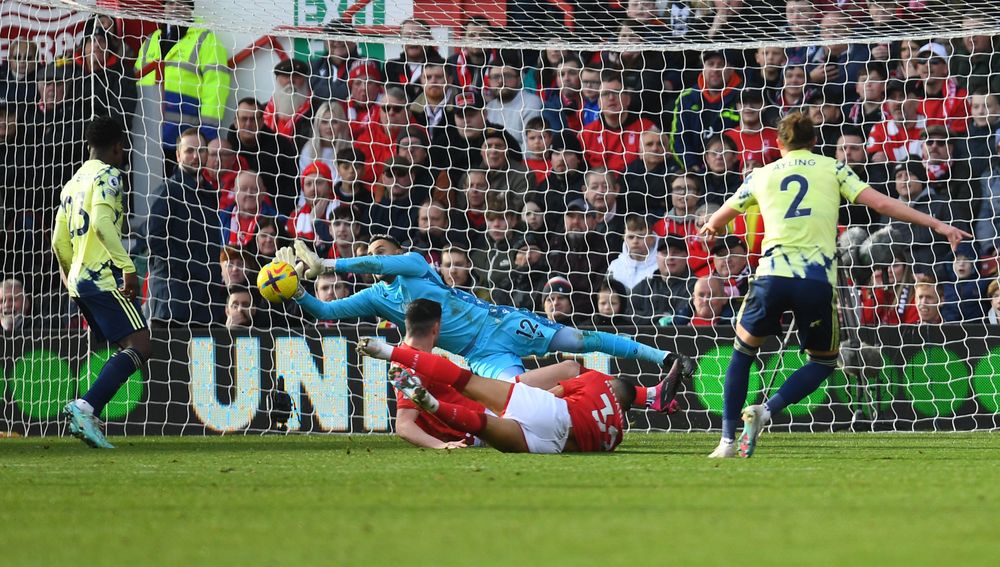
pixel 463 315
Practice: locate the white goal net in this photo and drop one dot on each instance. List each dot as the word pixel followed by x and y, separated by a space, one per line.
pixel 556 156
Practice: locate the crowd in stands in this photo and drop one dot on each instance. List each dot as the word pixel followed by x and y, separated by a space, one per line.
pixel 564 182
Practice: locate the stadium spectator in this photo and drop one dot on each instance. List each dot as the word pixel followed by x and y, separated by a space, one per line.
pixel 456 271
pixel 272 156
pixel 107 83
pixel 328 70
pixel 613 142
pixel 196 78
pixel 18 207
pixel 331 133
pixel 964 295
pixel 527 270
pixel 834 67
pixel 435 230
pixel 756 144
pixel 706 109
pixel 310 221
pixel 221 166
pixel 533 218
pixel 646 74
pixel 662 295
pixel 241 220
pixel 460 148
pixel 984 123
pixel 17 74
pixel 56 124
pixel 637 260
pixel 686 194
pixel 557 296
pixel 289 112
pixel 646 179
pixel 563 105
pixel 580 252
pixel 976 62
pixel 490 251
pixel 889 299
pixel 564 183
pixel 332 286
pixel 709 306
pixel 376 139
pixel 731 265
pixel 722 168
pixel 266 242
pixel 803 18
pixel 851 152
pixel 238 267
pixel 825 108
pixel 537 142
pixel 505 172
pixel 467 65
pixel 993 292
pixel 346 232
pixel 987 225
pixel 471 200
pixel 767 77
pixel 869 109
pixel 512 105
pixel 928 302
pixel 429 108
pixel 348 190
pixel 365 85
pixel 240 309
pixel 948 176
pixel 413 145
pixel 944 101
pixel 613 307
pixel 793 91
pixel 396 213
pixel 601 191
pixel 407 69
pixel 183 240
pixel 15 307
pixel 899 135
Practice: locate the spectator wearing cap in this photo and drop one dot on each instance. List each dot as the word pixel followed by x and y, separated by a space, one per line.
pixel 271 155
pixel 557 298
pixel 899 135
pixel 825 110
pixel 396 213
pixel 965 293
pixel 289 112
pixel 241 220
pixel 459 148
pixel 730 263
pixel 646 178
pixel 310 221
pixel 709 306
pixel 365 85
pixel 637 260
pixel 412 144
pixel 756 144
pixel 527 270
pixel 705 109
pixel 429 108
pixel 984 123
pixel 976 61
pixel 869 109
pixel 467 65
pixel 512 106
pixel 436 229
pixel 580 251
pixel 948 176
pixel 18 74
pixel 564 105
pixel 221 166
pixel 505 171
pixel 56 137
pixel 944 101
pixel 407 70
pixel 377 139
pixel 328 70
pixel 834 67
pixel 668 289
pixel 722 168
pixel 613 142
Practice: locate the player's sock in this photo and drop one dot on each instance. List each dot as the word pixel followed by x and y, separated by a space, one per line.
pixel 599 341
pixel 432 367
pixel 461 418
pixel 643 396
pixel 734 391
pixel 115 372
pixel 802 382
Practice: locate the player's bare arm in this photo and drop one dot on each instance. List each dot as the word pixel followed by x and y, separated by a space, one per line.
pixel 901 211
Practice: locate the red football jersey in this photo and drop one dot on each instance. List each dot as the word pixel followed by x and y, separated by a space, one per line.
pixel 613 149
pixel 434 426
pixel 598 421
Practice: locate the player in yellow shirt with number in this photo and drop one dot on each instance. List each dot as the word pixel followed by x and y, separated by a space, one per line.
pixel 799 198
pixel 98 272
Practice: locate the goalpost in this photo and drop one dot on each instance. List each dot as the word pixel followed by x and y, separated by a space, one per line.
pixel 511 143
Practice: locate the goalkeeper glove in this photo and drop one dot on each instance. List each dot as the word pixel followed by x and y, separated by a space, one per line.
pixel 313 263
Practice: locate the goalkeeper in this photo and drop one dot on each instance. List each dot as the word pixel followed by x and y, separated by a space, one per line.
pixel 799 198
pixel 492 338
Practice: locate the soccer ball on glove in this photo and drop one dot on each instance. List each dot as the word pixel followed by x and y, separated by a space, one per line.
pixel 277 282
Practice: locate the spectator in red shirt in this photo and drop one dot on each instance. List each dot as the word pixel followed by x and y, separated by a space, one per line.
pixel 221 168
pixel 537 142
pixel 944 100
pixel 899 136
pixel 686 193
pixel 614 141
pixel 365 85
pixel 377 138
pixel 467 66
pixel 731 265
pixel 756 144
pixel 310 219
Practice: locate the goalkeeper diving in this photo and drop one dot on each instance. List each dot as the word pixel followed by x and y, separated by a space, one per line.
pixel 492 338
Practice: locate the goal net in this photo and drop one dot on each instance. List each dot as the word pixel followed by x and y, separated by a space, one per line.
pixel 549 155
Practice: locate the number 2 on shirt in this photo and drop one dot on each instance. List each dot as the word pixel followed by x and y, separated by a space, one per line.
pixel 794 211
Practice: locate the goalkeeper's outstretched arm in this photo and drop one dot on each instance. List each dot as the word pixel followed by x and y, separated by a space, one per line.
pixel 357 305
pixel 394 265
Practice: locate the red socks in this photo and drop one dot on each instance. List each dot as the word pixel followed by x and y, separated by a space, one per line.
pixel 460 418
pixel 641 392
pixel 432 367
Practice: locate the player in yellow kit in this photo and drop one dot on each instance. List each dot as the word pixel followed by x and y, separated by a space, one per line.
pixel 98 272
pixel 799 198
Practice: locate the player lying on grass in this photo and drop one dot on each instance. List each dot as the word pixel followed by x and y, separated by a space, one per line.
pixel 799 197
pixel 425 429
pixel 492 338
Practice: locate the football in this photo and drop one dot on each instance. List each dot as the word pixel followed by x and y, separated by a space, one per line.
pixel 277 281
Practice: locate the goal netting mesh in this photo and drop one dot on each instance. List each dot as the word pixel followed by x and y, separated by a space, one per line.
pixel 557 156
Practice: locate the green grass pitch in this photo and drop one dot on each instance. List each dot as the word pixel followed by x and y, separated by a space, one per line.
pixel 814 499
